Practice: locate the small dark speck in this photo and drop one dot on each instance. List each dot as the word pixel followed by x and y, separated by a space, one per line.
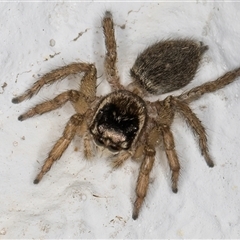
pixel 123 26
pixel 95 195
pixel 80 34
pixel 4 85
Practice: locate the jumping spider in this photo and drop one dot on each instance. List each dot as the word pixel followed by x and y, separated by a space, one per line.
pixel 123 121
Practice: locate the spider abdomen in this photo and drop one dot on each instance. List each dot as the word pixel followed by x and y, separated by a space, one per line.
pixel 167 65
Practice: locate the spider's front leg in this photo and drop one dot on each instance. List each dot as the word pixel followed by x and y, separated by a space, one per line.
pixel 160 131
pixel 152 140
pixel 143 179
pixel 111 54
pixel 82 101
pixel 61 145
pixel 169 146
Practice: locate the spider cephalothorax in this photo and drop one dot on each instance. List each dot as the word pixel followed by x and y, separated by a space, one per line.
pixel 123 121
pixel 119 120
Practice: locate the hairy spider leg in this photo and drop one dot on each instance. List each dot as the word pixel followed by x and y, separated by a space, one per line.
pixel 196 125
pixel 53 76
pixel 172 157
pixel 143 179
pixel 61 145
pixel 50 105
pixel 153 137
pixel 120 159
pixel 80 99
pixel 209 87
pixel 111 54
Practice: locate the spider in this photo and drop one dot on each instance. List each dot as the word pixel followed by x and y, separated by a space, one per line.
pixel 124 121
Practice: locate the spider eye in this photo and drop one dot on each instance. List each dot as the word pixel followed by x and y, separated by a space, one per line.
pixel 99 142
pixel 113 149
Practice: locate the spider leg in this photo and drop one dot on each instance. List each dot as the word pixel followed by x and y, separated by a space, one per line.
pixel 208 87
pixel 50 105
pixel 88 146
pixel 111 54
pixel 80 99
pixel 143 179
pixel 53 76
pixel 61 145
pixel 169 145
pixel 120 159
pixel 195 123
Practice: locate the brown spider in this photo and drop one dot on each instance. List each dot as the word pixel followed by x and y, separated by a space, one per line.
pixel 122 121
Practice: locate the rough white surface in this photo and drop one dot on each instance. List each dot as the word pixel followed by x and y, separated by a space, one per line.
pixel 87 199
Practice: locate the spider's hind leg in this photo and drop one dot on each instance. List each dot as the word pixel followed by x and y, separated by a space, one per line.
pixel 209 87
pixel 196 125
pixel 111 54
